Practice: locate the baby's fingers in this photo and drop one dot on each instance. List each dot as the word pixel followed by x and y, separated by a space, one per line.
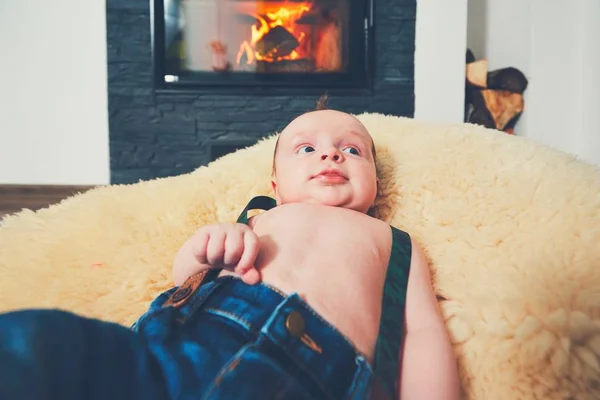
pixel 215 249
pixel 251 247
pixel 198 247
pixel 234 248
pixel 251 277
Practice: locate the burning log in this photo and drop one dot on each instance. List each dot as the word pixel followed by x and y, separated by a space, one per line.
pixel 276 43
pixel 493 99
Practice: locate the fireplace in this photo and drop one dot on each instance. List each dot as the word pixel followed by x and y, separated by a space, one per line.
pixel 167 117
pixel 234 46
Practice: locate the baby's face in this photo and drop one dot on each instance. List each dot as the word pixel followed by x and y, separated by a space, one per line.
pixel 325 157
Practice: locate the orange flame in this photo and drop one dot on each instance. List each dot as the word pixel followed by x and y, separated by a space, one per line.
pixel 285 17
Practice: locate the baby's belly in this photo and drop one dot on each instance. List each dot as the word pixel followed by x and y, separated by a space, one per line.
pixel 348 300
pixel 343 286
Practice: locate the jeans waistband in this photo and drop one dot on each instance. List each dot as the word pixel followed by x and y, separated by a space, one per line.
pixel 290 328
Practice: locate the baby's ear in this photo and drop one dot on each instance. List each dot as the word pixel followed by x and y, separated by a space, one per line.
pixel 274 186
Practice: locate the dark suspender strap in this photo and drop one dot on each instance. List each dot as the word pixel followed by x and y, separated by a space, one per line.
pixel 391 327
pixel 257 203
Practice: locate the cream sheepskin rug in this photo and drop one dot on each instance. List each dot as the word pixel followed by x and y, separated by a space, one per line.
pixel 511 228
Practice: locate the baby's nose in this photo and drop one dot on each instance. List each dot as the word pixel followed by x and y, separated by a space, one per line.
pixel 332 154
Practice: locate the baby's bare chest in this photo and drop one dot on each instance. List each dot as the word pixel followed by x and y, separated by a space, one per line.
pixel 311 235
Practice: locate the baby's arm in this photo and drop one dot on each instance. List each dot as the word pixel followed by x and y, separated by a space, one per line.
pixel 428 366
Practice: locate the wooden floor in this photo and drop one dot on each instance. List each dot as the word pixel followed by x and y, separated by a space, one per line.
pixel 14 198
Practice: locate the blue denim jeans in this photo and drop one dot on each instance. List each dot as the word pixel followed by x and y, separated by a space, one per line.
pixel 228 340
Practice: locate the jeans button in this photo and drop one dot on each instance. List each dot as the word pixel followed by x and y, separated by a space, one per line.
pixel 294 323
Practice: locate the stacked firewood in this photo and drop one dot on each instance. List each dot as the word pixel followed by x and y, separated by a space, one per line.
pixel 493 99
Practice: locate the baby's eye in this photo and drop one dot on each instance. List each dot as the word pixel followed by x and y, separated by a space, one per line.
pixel 306 149
pixel 352 150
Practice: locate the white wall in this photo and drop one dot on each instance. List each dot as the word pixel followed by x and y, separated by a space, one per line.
pixel 53 101
pixel 589 145
pixel 440 47
pixel 557 46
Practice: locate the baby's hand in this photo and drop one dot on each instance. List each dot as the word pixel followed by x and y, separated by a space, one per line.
pixel 233 247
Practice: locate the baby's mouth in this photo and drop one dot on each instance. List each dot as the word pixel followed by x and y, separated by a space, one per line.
pixel 331 176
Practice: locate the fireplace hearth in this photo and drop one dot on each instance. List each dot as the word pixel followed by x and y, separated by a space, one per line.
pixel 233 46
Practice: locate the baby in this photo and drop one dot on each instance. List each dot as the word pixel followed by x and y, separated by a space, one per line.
pixel 284 305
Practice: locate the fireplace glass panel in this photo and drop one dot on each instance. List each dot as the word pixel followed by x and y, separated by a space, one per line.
pixel 261 42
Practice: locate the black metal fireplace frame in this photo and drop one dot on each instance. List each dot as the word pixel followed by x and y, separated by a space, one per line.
pixel 357 80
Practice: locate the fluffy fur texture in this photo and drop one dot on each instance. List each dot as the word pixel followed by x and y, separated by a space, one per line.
pixel 512 230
